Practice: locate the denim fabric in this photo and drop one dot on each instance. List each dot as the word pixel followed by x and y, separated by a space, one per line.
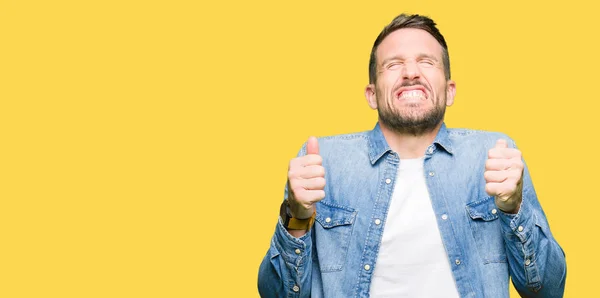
pixel 484 245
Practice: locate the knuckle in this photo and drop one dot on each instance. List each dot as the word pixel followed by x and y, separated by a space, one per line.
pixel 321 171
pixel 320 182
pixel 292 173
pixel 294 162
pixel 318 159
pixel 321 194
pixel 513 183
pixel 300 195
pixel 486 175
pixel 488 189
pixel 515 177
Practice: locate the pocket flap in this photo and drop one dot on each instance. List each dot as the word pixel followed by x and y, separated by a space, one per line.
pixel 484 209
pixel 330 216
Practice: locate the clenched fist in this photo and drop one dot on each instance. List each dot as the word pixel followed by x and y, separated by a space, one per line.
pixel 504 177
pixel 306 181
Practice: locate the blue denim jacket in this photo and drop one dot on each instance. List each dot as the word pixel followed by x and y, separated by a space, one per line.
pixel 484 245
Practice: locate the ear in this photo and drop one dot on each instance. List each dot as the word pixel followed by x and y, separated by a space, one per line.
pixel 371 96
pixel 450 92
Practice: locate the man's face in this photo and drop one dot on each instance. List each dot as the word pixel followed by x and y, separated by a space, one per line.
pixel 411 92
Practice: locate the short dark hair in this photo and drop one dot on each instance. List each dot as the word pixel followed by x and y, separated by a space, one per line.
pixel 409 21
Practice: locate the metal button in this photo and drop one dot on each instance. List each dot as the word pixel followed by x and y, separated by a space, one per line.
pixel 431 174
pixel 367 267
pixel 520 229
pixel 494 211
pixel 378 221
pixel 328 220
pixel 457 262
pixel 444 216
pixel 527 262
pixel 296 288
pixel 388 181
pixel 430 150
pixel 297 251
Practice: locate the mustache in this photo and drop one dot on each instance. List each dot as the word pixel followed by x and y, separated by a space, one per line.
pixel 410 84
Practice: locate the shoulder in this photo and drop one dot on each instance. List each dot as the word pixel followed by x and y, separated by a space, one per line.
pixel 474 137
pixel 335 144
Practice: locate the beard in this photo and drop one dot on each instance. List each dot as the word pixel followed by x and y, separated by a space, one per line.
pixel 413 122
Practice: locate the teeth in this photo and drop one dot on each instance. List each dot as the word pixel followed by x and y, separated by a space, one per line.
pixel 412 94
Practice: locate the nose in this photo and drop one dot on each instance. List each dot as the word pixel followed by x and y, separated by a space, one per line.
pixel 410 71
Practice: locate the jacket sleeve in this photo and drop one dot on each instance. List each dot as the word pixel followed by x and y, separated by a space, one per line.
pixel 286 269
pixel 536 261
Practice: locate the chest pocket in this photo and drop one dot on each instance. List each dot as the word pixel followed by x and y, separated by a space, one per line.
pixel 332 235
pixel 486 229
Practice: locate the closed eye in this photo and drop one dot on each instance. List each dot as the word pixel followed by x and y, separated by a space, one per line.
pixel 394 65
pixel 427 62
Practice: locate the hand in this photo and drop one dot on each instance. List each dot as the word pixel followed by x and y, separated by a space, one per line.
pixel 306 181
pixel 504 177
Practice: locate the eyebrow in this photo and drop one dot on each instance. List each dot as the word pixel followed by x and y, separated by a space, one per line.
pixel 420 56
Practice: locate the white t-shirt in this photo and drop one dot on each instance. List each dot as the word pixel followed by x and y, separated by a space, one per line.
pixel 412 261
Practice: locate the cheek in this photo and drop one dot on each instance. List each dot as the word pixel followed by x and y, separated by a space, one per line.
pixel 438 85
pixel 389 78
pixel 384 89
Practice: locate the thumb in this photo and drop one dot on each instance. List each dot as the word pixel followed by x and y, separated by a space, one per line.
pixel 501 143
pixel 312 146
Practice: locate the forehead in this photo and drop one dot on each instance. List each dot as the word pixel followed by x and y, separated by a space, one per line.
pixel 409 42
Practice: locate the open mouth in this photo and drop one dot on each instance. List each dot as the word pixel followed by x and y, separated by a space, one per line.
pixel 411 94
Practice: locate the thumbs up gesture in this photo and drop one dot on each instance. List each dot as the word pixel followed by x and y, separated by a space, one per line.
pixel 306 181
pixel 504 176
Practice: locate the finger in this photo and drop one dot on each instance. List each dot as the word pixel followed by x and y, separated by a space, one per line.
pixel 306 172
pixel 494 188
pixel 504 153
pixel 495 176
pixel 501 143
pixel 497 164
pixel 515 166
pixel 317 183
pixel 305 196
pixel 500 189
pixel 306 160
pixel 312 146
pixel 311 172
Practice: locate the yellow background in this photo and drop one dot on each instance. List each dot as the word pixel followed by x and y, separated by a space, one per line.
pixel 144 144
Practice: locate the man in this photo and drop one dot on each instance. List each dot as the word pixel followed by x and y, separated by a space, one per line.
pixel 411 208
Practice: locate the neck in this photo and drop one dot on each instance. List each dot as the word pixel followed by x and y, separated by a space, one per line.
pixel 409 145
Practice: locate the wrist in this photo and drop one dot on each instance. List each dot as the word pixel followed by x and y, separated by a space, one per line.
pixel 291 222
